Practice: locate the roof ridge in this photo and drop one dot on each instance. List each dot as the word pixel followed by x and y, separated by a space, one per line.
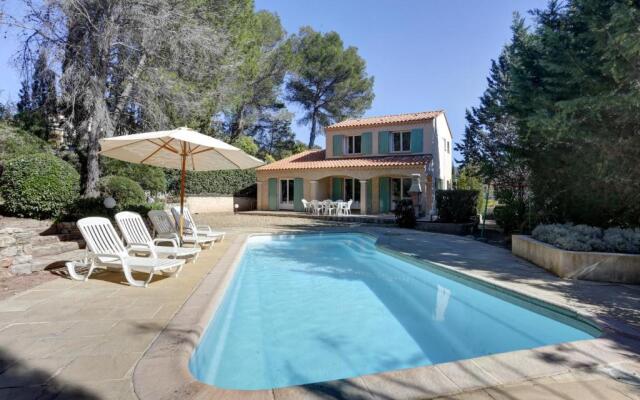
pixel 385 119
pixel 397 115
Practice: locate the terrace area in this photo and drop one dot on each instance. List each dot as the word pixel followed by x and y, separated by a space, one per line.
pixel 68 339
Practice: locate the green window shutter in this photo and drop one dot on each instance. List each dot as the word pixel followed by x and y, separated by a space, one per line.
pixel 298 193
pixel 384 195
pixel 366 143
pixel 273 194
pixel 336 190
pixel 417 142
pixel 383 142
pixel 370 196
pixel 338 144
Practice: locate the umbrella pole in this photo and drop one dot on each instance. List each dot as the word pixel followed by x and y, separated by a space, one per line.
pixel 183 176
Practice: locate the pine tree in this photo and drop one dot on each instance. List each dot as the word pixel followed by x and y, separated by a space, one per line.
pixel 330 82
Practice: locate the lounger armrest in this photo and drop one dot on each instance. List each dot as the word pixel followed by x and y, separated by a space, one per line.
pixel 203 227
pixel 151 248
pixel 173 242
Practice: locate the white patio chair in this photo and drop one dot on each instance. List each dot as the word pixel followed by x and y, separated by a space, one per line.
pixel 163 227
pixel 347 207
pixel 306 205
pixel 139 240
pixel 106 250
pixel 316 207
pixel 191 226
pixel 328 207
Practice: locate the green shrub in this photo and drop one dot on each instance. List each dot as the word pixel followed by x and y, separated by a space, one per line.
pixel 15 142
pixel 150 178
pixel 94 207
pixel 456 205
pixel 38 186
pixel 124 190
pixel 405 214
pixel 213 182
pixel 589 238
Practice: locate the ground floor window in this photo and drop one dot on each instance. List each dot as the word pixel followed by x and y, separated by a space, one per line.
pixel 286 193
pixel 352 190
pixel 399 190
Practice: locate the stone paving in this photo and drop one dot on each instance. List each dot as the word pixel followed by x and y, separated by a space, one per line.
pixel 66 339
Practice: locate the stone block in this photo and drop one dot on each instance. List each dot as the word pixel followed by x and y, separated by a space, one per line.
pixel 6 241
pixel 6 262
pixel 22 259
pixel 9 251
pixel 20 269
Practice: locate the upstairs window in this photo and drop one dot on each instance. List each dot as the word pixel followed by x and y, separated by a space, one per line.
pixel 353 145
pixel 400 141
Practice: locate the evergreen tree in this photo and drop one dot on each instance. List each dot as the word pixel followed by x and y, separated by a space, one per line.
pixel 329 82
pixel 43 95
pixel 24 104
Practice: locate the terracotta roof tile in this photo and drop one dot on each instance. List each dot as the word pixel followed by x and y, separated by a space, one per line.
pixel 315 159
pixel 385 120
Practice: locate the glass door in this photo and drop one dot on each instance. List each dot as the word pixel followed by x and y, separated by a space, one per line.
pixel 352 192
pixel 286 194
pixel 399 190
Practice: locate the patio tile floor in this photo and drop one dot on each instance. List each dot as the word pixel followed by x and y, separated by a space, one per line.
pixel 66 339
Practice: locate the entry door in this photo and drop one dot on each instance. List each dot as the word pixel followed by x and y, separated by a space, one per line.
pixel 399 190
pixel 352 192
pixel 286 194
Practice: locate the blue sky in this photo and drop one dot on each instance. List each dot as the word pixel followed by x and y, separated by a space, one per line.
pixel 424 54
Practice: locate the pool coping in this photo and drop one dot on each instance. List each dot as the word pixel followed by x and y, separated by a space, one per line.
pixel 163 371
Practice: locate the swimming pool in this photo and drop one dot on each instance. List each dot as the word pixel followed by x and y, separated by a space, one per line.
pixel 317 307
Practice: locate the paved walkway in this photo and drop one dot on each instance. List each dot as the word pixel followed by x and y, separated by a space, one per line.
pixel 66 339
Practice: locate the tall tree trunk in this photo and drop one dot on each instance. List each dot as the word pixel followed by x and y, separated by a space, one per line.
pixel 93 163
pixel 312 134
pixel 237 125
pixel 126 93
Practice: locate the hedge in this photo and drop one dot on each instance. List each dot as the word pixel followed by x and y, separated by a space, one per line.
pixel 214 182
pixel 456 205
pixel 38 186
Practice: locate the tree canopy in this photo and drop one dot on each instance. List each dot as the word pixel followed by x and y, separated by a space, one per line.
pixel 563 107
pixel 329 81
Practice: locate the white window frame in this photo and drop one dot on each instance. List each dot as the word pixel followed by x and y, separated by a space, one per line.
pixel 287 205
pixel 393 140
pixel 352 139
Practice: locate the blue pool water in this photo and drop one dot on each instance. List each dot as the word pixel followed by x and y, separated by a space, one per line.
pixel 312 308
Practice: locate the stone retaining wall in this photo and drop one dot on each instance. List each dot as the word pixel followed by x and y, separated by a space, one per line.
pixel 15 250
pixel 593 266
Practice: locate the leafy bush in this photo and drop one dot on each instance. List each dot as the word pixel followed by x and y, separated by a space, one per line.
pixel 15 142
pixel 405 214
pixel 150 178
pixel 589 238
pixel 124 190
pixel 38 186
pixel 213 182
pixel 456 205
pixel 94 207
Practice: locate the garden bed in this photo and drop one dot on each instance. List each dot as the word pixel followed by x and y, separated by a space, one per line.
pixel 587 265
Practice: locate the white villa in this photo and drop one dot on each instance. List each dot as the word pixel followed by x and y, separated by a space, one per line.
pixel 369 160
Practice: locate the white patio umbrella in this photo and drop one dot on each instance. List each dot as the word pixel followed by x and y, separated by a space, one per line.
pixel 182 148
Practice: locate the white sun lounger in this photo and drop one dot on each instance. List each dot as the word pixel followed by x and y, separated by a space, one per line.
pixel 191 226
pixel 139 240
pixel 106 250
pixel 164 227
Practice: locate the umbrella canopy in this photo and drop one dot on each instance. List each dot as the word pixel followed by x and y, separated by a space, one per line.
pixel 170 149
pixel 182 148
